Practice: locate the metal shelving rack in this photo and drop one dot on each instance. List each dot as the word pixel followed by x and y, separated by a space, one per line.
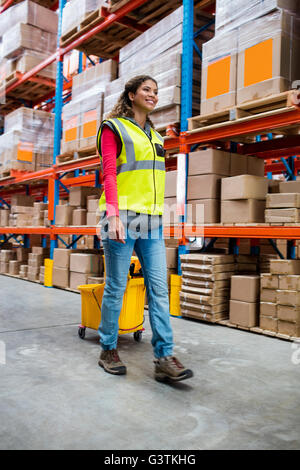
pixel 52 178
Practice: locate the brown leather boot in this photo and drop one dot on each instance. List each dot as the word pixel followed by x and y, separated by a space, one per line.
pixel 170 369
pixel 111 362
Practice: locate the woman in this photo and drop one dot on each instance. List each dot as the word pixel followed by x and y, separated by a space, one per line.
pixel 131 206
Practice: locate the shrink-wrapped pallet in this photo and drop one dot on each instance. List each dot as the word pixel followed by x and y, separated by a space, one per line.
pixel 83 114
pixel 27 143
pixel 76 11
pixel 231 14
pixel 268 56
pixel 23 36
pixel 30 13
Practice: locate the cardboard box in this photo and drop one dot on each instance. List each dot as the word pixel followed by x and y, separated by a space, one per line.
pixel 4 267
pixel 255 166
pixel 78 279
pixel 282 200
pixel 92 204
pixel 22 254
pixel 273 186
pixel 268 58
pixel 79 217
pixel 203 211
pixel 4 217
pixel 243 211
pixel 14 267
pixel 96 280
pixel 60 277
pixel 268 309
pixel 219 73
pixel 39 250
pixel 269 281
pixel 289 283
pixel 92 218
pixel 282 215
pixel 288 297
pixel 244 187
pixel 268 323
pixel 78 195
pixel 245 288
pixel 204 187
pixel 171 184
pixel 289 313
pixel 288 328
pixel 210 161
pixel 64 215
pixel 268 295
pixel 289 187
pixel 238 165
pixel 33 273
pixel 7 255
pixel 21 200
pixel 284 266
pixel 172 258
pixel 86 263
pixel 35 260
pixel 243 313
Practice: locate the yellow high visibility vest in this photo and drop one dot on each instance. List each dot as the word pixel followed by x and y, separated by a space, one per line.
pixel 140 168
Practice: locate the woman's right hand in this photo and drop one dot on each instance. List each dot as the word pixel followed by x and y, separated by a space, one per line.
pixel 116 229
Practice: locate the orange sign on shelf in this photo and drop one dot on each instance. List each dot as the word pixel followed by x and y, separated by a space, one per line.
pixel 90 123
pixel 25 152
pixel 218 77
pixel 71 129
pixel 258 63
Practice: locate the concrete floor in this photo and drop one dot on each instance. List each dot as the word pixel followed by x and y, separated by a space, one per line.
pixel 53 395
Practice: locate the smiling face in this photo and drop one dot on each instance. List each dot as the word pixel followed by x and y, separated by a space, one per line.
pixel 146 97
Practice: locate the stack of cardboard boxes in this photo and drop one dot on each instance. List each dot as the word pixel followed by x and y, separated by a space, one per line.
pixel 283 208
pixel 205 287
pixel 72 268
pixel 280 298
pixel 35 261
pixel 244 300
pixel 243 199
pixel 254 54
pixel 77 209
pixel 84 266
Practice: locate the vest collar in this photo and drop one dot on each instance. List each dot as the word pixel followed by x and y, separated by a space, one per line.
pixel 147 129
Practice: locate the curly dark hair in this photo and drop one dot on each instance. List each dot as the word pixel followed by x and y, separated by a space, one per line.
pixel 123 108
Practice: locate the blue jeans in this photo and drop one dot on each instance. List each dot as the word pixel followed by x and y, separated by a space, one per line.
pixel 150 249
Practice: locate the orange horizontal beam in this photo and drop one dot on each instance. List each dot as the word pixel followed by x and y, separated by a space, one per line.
pixel 281 118
pixel 82 230
pixel 274 232
pixel 26 230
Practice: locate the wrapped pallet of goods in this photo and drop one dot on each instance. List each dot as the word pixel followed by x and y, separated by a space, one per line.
pixel 27 142
pixel 83 114
pixel 205 290
pixel 157 53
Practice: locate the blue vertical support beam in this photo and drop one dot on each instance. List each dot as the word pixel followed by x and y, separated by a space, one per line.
pixel 186 88
pixel 291 249
pixel 58 113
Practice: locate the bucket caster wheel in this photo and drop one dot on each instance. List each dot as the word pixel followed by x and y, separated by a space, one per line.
pixel 137 336
pixel 81 332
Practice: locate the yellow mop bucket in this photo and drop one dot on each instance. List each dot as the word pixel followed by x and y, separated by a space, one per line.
pixel 132 314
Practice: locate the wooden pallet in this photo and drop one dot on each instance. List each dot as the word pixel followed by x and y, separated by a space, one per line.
pixel 264 107
pixel 77 155
pixel 257 330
